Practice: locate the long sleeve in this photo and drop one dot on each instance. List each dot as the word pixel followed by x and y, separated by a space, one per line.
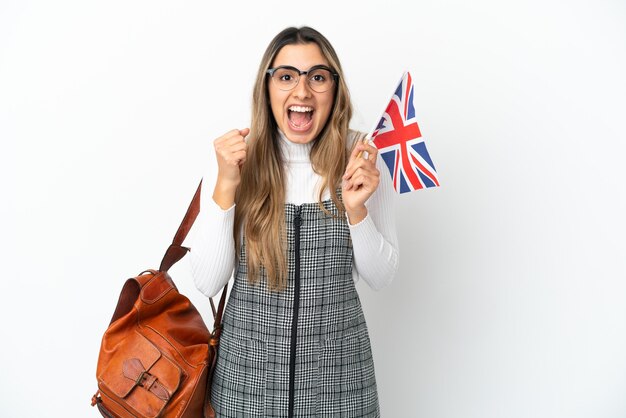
pixel 212 254
pixel 374 239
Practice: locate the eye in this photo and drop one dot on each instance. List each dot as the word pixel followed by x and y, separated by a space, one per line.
pixel 318 78
pixel 285 76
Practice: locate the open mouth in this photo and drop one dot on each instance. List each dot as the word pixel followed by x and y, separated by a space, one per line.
pixel 300 117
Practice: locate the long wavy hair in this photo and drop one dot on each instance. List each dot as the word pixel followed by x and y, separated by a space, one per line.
pixel 260 197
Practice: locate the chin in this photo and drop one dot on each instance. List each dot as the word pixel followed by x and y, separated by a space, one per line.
pixel 300 139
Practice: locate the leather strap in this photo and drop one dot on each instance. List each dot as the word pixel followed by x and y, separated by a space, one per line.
pixel 217 316
pixel 133 369
pixel 214 341
pixel 176 251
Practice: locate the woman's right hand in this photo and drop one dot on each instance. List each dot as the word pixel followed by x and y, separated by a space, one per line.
pixel 230 151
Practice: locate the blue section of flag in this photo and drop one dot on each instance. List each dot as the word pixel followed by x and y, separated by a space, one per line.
pixel 427 182
pixel 410 114
pixel 390 160
pixel 420 148
pixel 399 91
pixel 381 124
pixel 404 187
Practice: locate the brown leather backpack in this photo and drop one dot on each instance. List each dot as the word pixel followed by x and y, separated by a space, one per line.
pixel 157 355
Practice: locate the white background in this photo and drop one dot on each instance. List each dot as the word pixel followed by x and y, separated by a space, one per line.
pixel 510 300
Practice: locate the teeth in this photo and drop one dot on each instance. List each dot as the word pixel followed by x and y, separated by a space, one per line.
pixel 301 109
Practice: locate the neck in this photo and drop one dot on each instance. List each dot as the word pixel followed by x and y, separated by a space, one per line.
pixel 294 152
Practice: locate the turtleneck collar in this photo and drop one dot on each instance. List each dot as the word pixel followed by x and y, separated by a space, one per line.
pixel 293 152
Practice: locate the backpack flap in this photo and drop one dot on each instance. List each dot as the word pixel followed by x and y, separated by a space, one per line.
pixel 141 376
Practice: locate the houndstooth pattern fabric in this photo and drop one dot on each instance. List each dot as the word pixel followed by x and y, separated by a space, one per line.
pixel 334 369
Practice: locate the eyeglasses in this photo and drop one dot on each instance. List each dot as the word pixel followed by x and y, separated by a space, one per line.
pixel 320 77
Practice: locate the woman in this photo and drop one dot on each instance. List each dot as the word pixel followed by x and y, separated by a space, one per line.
pixel 299 212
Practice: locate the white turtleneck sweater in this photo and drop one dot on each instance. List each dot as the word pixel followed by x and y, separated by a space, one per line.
pixel 374 239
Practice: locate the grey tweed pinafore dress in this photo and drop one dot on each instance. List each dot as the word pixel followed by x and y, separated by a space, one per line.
pixel 303 351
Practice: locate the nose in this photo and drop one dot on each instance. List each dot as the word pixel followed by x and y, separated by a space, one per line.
pixel 302 90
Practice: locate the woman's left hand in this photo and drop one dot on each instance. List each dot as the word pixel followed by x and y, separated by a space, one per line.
pixel 360 180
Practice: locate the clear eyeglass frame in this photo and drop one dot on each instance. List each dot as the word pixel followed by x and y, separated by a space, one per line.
pixel 327 81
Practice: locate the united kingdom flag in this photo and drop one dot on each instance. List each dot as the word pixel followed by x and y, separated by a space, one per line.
pixel 400 142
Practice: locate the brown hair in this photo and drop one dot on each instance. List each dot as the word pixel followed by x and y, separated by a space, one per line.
pixel 261 194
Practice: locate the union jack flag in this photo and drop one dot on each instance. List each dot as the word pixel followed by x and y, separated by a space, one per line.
pixel 400 142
